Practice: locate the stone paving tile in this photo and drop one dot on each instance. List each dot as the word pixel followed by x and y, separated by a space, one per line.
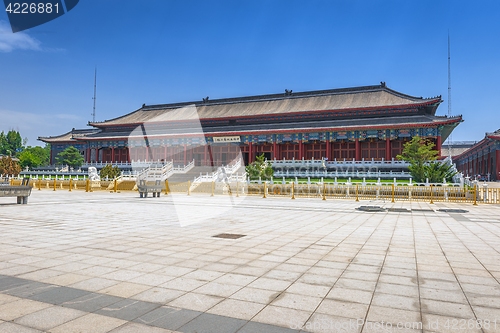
pixel 350 295
pixel 294 301
pixel 29 289
pixel 255 295
pixel 195 301
pixel 324 323
pixel 159 295
pixel 280 316
pixel 125 289
pixel 49 318
pixel 13 310
pixel 94 284
pixel 127 309
pixel 91 302
pixel 139 328
pixel 236 309
pixel 168 317
pixel 209 323
pixel 90 323
pixel 58 295
pixel 7 327
pixel 253 327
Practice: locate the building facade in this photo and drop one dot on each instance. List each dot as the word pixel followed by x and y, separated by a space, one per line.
pixel 482 161
pixel 371 122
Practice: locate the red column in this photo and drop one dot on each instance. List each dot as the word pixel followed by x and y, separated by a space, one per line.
pixel 388 154
pixel 357 148
pixel 497 163
pixel 438 144
pixel 275 152
pixel 112 154
pixel 205 154
pixel 328 150
pixel 51 161
pixel 88 155
pixel 250 153
pixel 301 150
pixel 185 154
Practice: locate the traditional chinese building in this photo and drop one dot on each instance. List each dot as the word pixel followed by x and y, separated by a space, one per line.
pixel 371 122
pixel 482 159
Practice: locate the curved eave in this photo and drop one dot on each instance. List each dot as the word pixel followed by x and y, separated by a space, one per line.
pixel 426 103
pixel 449 121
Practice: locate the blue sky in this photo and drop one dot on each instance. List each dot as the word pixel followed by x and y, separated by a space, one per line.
pixel 162 51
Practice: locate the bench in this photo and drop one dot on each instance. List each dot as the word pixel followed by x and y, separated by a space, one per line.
pixel 22 192
pixel 144 188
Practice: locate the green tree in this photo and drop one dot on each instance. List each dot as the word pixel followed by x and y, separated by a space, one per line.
pixel 11 143
pixel 260 168
pixel 418 152
pixel 71 157
pixel 34 157
pixel 109 171
pixel 9 166
pixel 436 171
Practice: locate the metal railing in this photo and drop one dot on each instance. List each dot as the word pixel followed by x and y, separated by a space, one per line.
pixel 354 191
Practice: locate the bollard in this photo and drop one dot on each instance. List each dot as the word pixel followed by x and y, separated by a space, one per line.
pixel 265 190
pixel 213 188
pixel 357 198
pixel 324 191
pixel 70 184
pixel 293 192
pixel 39 185
pixel 189 187
pixel 115 186
pixel 432 202
pixel 475 195
pixel 166 186
pixel 392 194
pixel 55 184
pixel 87 185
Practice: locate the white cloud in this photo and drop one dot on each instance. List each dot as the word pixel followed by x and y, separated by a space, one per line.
pixel 10 41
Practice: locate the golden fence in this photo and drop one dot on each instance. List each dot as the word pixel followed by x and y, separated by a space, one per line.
pixel 325 191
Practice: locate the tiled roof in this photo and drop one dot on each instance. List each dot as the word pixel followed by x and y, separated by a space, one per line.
pixel 71 136
pixel 335 99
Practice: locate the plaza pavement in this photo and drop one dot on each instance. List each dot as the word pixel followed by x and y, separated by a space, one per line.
pixel 112 262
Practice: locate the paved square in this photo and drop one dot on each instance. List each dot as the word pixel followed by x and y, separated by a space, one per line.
pixel 112 262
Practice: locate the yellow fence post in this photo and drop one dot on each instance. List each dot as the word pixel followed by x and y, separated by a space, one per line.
pixel 324 191
pixel 265 190
pixel 432 202
pixel 87 185
pixel 39 185
pixel 293 191
pixel 392 194
pixel 357 198
pixel 166 186
pixel 213 188
pixel 55 184
pixel 70 184
pixel 115 186
pixel 189 187
pixel 475 195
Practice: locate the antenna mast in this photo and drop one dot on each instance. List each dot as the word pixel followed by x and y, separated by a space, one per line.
pixel 449 91
pixel 95 80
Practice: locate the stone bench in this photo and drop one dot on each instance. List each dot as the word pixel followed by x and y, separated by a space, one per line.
pixel 22 192
pixel 144 188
